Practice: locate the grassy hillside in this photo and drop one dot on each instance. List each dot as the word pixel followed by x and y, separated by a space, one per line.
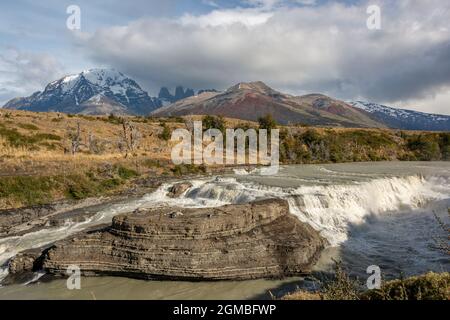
pixel 311 145
pixel 48 156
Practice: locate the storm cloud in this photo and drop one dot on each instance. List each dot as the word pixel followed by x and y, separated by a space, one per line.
pixel 326 49
pixel 297 46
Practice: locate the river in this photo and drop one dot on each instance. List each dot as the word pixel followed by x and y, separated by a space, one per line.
pixel 370 213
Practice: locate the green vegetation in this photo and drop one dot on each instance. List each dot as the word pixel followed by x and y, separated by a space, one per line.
pixel 151 163
pixel 125 173
pixel 27 126
pixel 47 136
pixel 318 146
pixel 424 147
pixel 267 122
pixel 31 190
pixel 342 287
pixel 112 118
pixel 171 119
pixel 429 286
pixel 17 139
pixel 27 190
pixel 186 169
pixel 166 133
pixel 213 122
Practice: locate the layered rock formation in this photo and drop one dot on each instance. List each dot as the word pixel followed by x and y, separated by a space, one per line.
pixel 256 240
pixel 27 261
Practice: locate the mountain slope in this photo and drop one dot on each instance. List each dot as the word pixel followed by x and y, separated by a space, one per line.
pixel 249 101
pixel 404 119
pixel 71 94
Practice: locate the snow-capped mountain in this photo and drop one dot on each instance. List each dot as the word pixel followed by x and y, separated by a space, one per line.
pixel 404 119
pixel 106 90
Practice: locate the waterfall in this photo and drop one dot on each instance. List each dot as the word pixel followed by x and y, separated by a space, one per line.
pixel 331 208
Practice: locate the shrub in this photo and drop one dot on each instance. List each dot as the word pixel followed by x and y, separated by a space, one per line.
pixel 425 147
pixel 444 145
pixel 430 286
pixel 267 122
pixel 110 183
pixel 125 173
pixel 184 169
pixel 213 122
pixel 166 133
pixel 112 118
pixel 341 287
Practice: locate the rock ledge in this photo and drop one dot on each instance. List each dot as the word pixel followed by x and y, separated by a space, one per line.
pixel 256 240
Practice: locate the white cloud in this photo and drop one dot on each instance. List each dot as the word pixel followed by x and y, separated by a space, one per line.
pixel 216 18
pixel 23 72
pixel 434 103
pixel 299 49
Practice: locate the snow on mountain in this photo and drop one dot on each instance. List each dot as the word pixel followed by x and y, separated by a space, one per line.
pixel 404 119
pixel 71 93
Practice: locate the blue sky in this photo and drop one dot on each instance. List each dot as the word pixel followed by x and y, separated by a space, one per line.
pixel 298 46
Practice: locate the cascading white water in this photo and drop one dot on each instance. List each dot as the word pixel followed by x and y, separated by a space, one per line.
pixel 331 209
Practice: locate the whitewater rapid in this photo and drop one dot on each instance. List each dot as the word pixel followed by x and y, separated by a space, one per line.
pixel 333 207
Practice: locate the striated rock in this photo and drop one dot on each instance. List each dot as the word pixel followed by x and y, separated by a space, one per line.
pixel 178 189
pixel 26 261
pixel 10 218
pixel 256 240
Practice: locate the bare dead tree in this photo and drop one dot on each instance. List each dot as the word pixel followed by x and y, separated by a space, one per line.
pixel 189 122
pixel 75 139
pixel 130 137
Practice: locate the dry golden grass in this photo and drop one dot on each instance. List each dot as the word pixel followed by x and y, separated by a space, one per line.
pixel 51 152
pixel 302 295
pixel 53 155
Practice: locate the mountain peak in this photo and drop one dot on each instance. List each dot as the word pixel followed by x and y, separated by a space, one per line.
pixel 72 93
pixel 257 86
pixel 180 93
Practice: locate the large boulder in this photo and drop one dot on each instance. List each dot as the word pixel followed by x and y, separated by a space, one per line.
pixel 248 241
pixel 178 189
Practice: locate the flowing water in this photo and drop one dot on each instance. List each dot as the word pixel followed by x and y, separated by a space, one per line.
pixel 370 213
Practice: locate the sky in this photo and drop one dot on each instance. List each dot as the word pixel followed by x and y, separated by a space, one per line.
pixel 295 46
